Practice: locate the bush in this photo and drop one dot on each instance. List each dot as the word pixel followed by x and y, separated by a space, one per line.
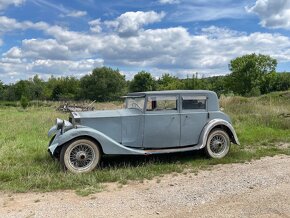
pixel 9 104
pixel 24 101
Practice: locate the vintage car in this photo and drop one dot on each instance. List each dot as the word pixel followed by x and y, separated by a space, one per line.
pixel 152 122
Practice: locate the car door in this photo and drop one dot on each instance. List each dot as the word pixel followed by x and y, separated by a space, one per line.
pixel 193 117
pixel 132 130
pixel 161 122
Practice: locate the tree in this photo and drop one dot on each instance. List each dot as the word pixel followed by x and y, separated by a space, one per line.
pixel 56 92
pixel 1 90
pixel 142 81
pixel 23 88
pixel 168 82
pixel 195 83
pixel 38 88
pixel 218 84
pixel 248 72
pixel 63 88
pixel 104 84
pixel 283 81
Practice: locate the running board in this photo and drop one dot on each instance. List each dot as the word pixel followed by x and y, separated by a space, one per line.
pixel 171 150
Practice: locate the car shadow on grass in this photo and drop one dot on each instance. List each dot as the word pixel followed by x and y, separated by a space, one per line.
pixel 119 161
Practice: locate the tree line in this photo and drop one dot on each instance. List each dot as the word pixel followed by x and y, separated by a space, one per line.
pixel 251 75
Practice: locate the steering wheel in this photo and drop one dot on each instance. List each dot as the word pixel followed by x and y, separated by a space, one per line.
pixel 136 105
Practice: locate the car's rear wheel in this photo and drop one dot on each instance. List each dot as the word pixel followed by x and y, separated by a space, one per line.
pixel 218 144
pixel 80 156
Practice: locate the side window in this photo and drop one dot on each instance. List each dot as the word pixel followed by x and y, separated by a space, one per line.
pixel 159 103
pixel 193 102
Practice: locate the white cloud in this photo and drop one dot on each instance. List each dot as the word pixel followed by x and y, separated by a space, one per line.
pixel 44 49
pixel 217 32
pixel 175 48
pixel 9 24
pixel 82 45
pixel 66 67
pixel 5 3
pixel 273 13
pixel 95 26
pixel 15 69
pixel 129 23
pixel 13 53
pixel 169 1
pixel 76 14
pixel 190 12
pixel 162 50
pixel 209 50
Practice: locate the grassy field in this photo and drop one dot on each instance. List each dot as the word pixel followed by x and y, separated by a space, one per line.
pixel 25 164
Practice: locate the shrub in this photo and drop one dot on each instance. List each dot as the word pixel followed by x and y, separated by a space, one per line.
pixel 24 101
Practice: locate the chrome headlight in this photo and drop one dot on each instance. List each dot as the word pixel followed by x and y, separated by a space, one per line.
pixel 74 118
pixel 59 123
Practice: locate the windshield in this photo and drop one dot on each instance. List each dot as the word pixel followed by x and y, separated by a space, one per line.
pixel 135 102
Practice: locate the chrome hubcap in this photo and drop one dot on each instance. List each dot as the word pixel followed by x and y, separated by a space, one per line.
pixel 218 144
pixel 82 156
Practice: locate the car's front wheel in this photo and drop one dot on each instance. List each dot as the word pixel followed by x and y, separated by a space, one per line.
pixel 80 156
pixel 218 144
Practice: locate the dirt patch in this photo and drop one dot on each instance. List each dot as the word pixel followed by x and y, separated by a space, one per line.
pixel 259 188
pixel 283 145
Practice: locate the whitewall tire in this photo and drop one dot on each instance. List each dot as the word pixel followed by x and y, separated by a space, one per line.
pixel 218 144
pixel 80 156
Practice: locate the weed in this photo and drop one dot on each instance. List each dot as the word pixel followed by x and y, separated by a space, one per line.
pixel 87 190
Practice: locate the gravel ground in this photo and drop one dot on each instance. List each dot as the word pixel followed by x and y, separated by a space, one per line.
pixel 259 188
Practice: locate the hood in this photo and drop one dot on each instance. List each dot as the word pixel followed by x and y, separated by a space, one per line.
pixel 105 113
pixel 108 122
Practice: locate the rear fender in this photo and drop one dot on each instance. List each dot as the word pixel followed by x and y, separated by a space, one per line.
pixel 218 123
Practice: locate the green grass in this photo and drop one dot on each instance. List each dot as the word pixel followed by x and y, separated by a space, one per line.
pixel 25 164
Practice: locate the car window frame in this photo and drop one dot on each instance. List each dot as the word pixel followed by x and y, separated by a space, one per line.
pixel 163 111
pixel 142 109
pixel 193 110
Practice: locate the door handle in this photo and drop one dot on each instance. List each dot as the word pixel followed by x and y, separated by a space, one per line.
pixel 172 118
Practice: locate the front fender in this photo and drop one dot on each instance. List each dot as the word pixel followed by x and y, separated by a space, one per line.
pixel 108 145
pixel 218 123
pixel 52 131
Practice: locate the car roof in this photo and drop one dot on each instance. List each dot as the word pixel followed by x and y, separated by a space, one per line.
pixel 170 92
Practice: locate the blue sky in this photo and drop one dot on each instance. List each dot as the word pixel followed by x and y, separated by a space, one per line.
pixel 181 37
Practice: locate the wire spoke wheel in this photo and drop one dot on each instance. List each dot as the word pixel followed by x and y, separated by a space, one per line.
pixel 218 144
pixel 80 156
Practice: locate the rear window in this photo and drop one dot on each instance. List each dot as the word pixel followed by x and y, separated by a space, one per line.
pixel 193 102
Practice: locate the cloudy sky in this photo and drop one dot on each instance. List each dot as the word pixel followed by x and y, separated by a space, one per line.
pixel 62 38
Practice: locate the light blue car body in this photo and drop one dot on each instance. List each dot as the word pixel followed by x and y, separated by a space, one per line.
pixel 141 132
